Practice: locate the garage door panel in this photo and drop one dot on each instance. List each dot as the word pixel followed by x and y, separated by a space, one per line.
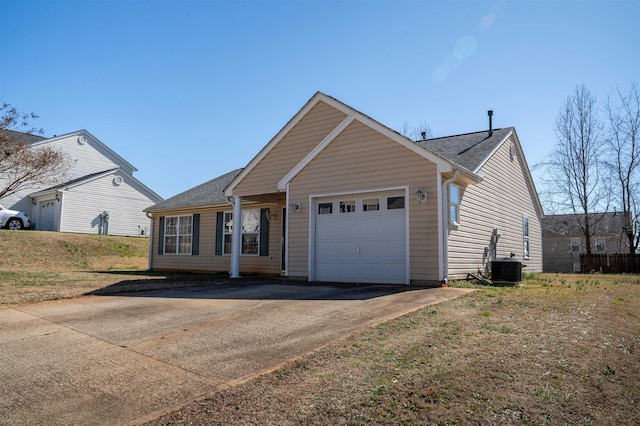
pixel 361 246
pixel 391 251
pixel 337 250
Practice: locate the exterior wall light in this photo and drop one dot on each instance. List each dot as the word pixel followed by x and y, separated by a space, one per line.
pixel 421 196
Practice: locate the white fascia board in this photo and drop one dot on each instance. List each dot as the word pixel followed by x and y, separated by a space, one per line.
pixel 131 180
pixel 528 173
pixel 406 142
pixel 282 185
pixel 442 164
pixel 62 188
pixel 142 187
pixel 96 140
pixel 89 179
pixel 319 96
pixel 498 146
pixel 528 177
pixel 46 192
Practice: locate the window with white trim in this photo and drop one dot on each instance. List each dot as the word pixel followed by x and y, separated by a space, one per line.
pixel 525 236
pixel 250 232
pixel 575 244
pixel 600 245
pixel 178 234
pixel 454 204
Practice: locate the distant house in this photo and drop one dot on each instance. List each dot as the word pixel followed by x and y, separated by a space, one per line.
pixel 337 196
pixel 101 196
pixel 563 241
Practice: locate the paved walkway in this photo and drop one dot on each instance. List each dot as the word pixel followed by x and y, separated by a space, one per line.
pixel 129 358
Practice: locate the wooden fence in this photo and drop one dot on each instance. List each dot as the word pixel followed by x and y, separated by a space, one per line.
pixel 617 263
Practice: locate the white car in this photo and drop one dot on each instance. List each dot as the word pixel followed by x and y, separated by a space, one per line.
pixel 13 219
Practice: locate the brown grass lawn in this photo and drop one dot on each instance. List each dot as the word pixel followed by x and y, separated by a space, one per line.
pixel 36 266
pixel 557 350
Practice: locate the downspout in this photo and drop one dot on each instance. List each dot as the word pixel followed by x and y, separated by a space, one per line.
pixel 60 198
pixel 445 237
pixel 150 262
pixel 286 233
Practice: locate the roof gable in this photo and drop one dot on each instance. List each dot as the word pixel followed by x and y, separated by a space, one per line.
pixel 82 137
pixel 297 118
pixel 79 181
pixel 351 115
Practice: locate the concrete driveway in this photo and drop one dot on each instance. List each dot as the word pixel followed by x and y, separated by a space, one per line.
pixel 129 358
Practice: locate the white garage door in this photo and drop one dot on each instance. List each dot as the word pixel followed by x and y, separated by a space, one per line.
pixel 361 238
pixel 47 215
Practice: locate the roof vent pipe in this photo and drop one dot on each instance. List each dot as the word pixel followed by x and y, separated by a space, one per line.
pixel 490 114
pixel 424 135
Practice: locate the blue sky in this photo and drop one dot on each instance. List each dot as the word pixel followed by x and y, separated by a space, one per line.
pixel 188 90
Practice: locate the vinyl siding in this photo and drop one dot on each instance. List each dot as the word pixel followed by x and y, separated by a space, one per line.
pixel 362 159
pixel 206 260
pixel 90 157
pixel 83 204
pixel 19 201
pixel 499 201
pixel 292 148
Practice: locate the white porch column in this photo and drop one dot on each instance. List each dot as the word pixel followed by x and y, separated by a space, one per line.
pixel 236 239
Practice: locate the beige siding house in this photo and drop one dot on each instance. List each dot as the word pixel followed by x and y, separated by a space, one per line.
pixel 336 196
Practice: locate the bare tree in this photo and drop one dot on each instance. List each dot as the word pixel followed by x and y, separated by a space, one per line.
pixel 623 141
pixel 23 165
pixel 416 133
pixel 574 179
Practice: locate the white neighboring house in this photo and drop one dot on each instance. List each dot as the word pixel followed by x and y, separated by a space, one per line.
pixel 100 195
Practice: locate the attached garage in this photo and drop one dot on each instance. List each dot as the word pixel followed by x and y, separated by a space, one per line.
pixel 351 200
pixel 360 238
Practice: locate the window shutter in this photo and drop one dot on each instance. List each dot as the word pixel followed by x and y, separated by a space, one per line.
pixel 219 231
pixel 195 235
pixel 161 236
pixel 264 232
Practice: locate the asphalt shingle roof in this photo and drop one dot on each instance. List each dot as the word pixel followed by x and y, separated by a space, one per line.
pixel 13 136
pixel 468 150
pixel 567 224
pixel 206 194
pixel 75 180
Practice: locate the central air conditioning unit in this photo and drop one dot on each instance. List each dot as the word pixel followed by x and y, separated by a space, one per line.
pixel 507 270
